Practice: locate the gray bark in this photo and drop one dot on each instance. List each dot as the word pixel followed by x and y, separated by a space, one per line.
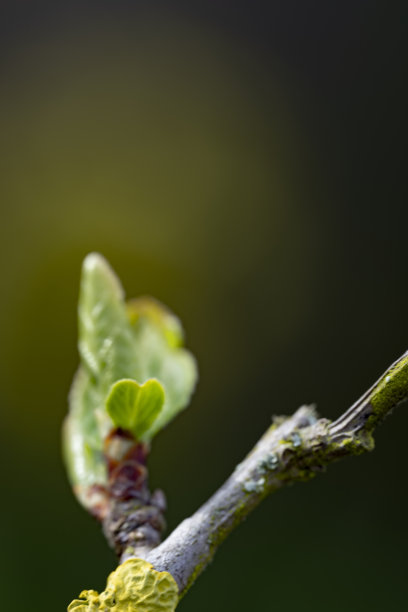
pixel 292 449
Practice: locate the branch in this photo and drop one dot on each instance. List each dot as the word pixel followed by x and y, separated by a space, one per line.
pixel 292 449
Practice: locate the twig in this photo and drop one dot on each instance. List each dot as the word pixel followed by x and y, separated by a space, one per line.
pixel 292 449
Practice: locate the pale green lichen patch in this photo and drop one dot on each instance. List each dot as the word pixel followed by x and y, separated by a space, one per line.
pixel 391 390
pixel 296 439
pixel 254 486
pixel 270 463
pixel 134 586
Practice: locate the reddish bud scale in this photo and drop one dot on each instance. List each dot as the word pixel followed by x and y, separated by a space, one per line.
pixel 133 518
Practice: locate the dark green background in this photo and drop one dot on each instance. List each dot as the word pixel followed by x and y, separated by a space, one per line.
pixel 245 163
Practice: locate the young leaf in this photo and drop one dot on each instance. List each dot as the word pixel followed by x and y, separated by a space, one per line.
pixel 159 337
pixel 82 445
pixel 106 342
pixel 138 342
pixel 135 407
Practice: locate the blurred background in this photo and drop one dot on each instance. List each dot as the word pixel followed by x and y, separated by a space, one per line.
pixel 245 163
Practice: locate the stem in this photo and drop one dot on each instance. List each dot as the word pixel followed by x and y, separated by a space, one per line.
pixel 292 449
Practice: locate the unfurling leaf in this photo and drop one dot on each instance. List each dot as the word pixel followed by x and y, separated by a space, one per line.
pixel 106 343
pixel 135 407
pixel 159 337
pixel 138 341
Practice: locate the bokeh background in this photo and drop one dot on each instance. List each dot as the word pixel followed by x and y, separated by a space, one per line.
pixel 245 163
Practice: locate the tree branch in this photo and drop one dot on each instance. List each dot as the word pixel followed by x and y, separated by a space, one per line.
pixel 292 449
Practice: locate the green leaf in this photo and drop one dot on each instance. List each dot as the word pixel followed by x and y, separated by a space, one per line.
pixel 158 336
pixel 138 341
pixel 106 342
pixel 135 407
pixel 82 444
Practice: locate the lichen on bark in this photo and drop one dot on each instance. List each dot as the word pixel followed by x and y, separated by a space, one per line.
pixel 134 585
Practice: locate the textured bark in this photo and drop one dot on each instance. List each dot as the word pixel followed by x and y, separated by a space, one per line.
pixel 292 449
